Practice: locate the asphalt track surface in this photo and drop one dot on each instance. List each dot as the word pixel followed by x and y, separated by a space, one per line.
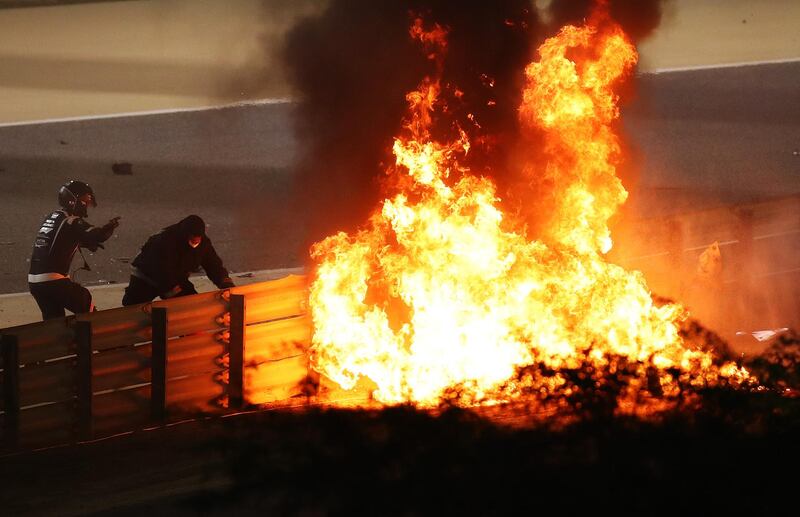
pixel 702 138
pixel 231 166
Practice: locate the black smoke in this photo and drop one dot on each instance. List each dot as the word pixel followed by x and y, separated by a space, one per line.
pixel 638 18
pixel 353 64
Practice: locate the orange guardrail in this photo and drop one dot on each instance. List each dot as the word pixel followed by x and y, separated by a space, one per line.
pixel 92 375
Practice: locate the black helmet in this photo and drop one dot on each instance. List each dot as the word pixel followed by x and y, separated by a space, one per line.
pixel 69 197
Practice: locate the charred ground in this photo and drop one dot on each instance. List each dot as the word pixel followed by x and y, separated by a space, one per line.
pixel 726 450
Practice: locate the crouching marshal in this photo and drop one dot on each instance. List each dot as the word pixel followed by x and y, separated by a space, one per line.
pixel 162 267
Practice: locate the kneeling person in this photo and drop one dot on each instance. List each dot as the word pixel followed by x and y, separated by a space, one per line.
pixel 162 267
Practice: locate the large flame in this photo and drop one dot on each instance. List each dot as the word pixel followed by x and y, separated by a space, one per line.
pixel 439 290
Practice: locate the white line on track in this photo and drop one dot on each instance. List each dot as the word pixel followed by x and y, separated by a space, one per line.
pixel 720 65
pixel 284 100
pixel 256 102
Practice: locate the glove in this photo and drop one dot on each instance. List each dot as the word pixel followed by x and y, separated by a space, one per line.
pixel 94 247
pixel 112 223
pixel 172 292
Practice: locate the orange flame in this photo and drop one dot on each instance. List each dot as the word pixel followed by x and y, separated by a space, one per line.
pixel 439 290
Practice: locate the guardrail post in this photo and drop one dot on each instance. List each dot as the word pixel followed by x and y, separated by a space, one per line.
pixel 83 339
pixel 158 365
pixel 744 234
pixel 311 383
pixel 675 246
pixel 238 307
pixel 11 404
pixel 750 302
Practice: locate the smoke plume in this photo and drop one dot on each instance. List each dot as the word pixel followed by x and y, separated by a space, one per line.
pixel 353 65
pixel 639 18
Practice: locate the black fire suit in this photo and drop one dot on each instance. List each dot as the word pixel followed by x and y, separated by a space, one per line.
pixel 56 243
pixel 163 266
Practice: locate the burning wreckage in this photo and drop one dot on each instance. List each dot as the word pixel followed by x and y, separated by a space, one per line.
pixel 445 295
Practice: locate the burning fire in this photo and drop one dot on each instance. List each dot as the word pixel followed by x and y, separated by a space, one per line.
pixel 440 290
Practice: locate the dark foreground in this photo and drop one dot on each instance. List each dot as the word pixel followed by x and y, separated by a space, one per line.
pixel 736 453
pixel 400 462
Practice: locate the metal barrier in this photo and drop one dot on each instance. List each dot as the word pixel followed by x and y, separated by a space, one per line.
pixel 93 375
